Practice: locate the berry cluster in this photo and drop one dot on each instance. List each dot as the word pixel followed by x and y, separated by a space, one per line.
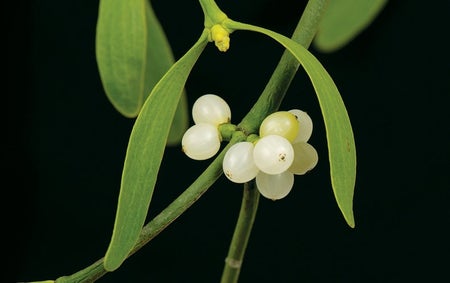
pixel 202 141
pixel 281 151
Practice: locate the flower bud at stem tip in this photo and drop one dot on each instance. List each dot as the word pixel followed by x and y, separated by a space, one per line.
pixel 221 37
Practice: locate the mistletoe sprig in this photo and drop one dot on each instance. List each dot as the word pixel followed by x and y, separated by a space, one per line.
pixel 142 161
pixel 142 80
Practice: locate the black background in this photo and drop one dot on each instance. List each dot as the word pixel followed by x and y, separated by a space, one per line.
pixel 64 144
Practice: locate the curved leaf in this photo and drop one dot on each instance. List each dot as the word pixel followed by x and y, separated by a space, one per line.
pixel 132 55
pixel 159 59
pixel 144 154
pixel 180 122
pixel 344 20
pixel 121 51
pixel 159 53
pixel 341 144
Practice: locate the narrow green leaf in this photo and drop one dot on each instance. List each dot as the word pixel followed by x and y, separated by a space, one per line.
pixel 159 53
pixel 144 154
pixel 341 144
pixel 159 59
pixel 180 122
pixel 133 54
pixel 121 50
pixel 344 20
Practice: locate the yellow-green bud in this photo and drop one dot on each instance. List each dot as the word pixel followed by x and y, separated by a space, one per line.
pixel 221 37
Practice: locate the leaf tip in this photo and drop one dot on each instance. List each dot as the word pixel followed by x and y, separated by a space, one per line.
pixel 351 222
pixel 347 213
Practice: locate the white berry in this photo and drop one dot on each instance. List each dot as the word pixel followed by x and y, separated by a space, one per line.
pixel 273 154
pixel 275 187
pixel 281 123
pixel 305 158
pixel 211 109
pixel 238 164
pixel 201 141
pixel 305 125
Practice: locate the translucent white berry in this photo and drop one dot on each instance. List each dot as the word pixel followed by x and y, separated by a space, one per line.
pixel 275 187
pixel 201 141
pixel 238 164
pixel 211 109
pixel 281 123
pixel 305 125
pixel 273 154
pixel 305 158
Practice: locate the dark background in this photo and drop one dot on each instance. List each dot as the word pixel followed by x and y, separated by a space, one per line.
pixel 64 144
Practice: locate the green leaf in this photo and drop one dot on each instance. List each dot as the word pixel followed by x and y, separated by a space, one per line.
pixel 341 144
pixel 132 55
pixel 159 59
pixel 121 51
pixel 180 122
pixel 344 20
pixel 159 54
pixel 144 155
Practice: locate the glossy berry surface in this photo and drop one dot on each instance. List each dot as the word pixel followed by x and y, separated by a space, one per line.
pixel 211 109
pixel 305 125
pixel 275 187
pixel 305 158
pixel 238 163
pixel 273 154
pixel 281 123
pixel 201 141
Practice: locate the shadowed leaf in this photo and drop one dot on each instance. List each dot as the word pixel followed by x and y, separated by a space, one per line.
pixel 344 20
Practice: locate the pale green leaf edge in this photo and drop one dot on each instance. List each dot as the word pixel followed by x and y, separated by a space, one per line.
pixel 340 139
pixel 144 155
pixel 331 35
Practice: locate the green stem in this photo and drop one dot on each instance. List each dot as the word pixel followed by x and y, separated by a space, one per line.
pixel 241 234
pixel 212 12
pixel 87 275
pixel 276 88
pixel 165 218
pixel 187 198
pixel 268 102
